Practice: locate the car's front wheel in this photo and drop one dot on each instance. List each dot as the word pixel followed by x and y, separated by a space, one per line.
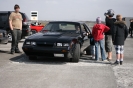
pixel 76 53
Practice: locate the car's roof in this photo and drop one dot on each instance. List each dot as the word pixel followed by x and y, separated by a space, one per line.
pixel 5 11
pixel 66 22
pixel 9 11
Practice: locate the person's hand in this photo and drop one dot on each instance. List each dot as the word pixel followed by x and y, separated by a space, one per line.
pixel 87 34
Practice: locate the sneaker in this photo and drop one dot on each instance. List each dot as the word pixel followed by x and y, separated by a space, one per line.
pixel 109 59
pixel 105 60
pixel 93 57
pixel 116 63
pixel 121 62
pixel 18 51
pixel 12 52
pixel 96 60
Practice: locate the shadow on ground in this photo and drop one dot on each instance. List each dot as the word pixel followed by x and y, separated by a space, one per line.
pixel 53 61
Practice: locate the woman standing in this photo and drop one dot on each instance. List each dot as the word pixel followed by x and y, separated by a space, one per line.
pixel 98 34
pixel 119 35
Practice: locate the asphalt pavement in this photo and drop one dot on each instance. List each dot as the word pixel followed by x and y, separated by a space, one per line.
pixel 17 71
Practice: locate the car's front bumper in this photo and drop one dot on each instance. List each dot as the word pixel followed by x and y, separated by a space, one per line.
pixel 47 51
pixel 4 40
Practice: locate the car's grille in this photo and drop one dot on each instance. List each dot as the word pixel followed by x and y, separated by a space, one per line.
pixel 45 45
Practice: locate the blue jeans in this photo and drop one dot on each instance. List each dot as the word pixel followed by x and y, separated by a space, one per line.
pixel 101 43
pixel 92 49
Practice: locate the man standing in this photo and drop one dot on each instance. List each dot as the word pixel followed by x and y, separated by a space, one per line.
pixel 108 35
pixel 15 22
pixel 131 27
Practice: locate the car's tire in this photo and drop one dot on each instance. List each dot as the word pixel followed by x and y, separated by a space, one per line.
pixel 68 57
pixel 32 57
pixel 9 35
pixel 88 50
pixel 76 53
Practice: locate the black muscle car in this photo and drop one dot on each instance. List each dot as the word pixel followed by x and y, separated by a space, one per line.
pixel 59 39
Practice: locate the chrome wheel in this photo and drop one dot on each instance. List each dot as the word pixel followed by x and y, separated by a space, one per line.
pixel 9 37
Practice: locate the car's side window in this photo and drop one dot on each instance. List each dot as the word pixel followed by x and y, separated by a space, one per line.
pixel 87 29
pixel 3 17
pixel 48 27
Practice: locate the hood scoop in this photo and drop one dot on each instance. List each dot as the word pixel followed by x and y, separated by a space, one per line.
pixel 51 33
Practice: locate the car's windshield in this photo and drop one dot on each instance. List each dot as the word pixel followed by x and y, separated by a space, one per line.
pixel 58 27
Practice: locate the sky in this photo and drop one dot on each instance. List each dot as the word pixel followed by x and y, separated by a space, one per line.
pixel 70 10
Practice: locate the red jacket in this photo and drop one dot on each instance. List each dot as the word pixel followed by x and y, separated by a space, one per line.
pixel 98 31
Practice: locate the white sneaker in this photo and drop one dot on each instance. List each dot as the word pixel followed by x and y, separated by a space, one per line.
pixel 93 57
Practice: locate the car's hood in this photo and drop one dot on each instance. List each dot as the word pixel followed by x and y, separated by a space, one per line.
pixel 53 37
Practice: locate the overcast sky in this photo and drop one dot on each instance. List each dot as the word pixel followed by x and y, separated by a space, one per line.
pixel 76 10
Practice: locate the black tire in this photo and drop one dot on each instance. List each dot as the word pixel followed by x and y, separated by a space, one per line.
pixel 76 53
pixel 88 50
pixel 32 57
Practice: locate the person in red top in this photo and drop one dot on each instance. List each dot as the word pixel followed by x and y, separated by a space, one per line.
pixel 98 34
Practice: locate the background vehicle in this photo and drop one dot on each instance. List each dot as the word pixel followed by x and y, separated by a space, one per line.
pixel 59 39
pixel 3 37
pixel 4 24
pixel 36 28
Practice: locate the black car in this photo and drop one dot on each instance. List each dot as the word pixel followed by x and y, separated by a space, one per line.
pixel 3 37
pixel 4 24
pixel 59 39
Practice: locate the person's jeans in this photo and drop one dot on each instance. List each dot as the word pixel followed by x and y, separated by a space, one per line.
pixel 101 43
pixel 92 49
pixel 131 32
pixel 16 37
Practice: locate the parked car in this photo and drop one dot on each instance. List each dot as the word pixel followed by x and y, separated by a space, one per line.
pixel 59 39
pixel 36 28
pixel 4 24
pixel 3 37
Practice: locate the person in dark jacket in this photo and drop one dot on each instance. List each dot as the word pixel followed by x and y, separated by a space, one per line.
pixel 108 38
pixel 131 27
pixel 119 35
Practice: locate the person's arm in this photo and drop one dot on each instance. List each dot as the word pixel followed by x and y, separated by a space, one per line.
pixel 21 26
pixel 106 29
pixel 10 22
pixel 126 32
pixel 114 33
pixel 21 22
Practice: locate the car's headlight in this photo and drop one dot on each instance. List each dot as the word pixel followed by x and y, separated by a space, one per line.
pixel 33 43
pixel 62 44
pixel 65 44
pixel 59 44
pixel 28 43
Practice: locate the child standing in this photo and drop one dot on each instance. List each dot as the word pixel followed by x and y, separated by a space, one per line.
pixel 119 35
